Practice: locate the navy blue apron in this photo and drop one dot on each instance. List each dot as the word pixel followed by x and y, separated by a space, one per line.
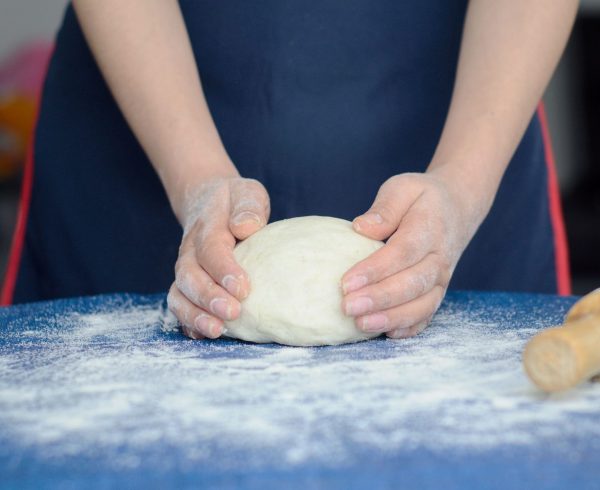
pixel 320 100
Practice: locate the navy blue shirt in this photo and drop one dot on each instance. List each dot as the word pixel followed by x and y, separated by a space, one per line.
pixel 320 100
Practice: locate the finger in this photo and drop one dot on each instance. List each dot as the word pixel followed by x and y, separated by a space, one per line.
pixel 250 207
pixel 398 289
pixel 199 288
pixel 213 251
pixel 403 316
pixel 211 242
pixel 408 246
pixel 195 322
pixel 393 201
pixel 404 333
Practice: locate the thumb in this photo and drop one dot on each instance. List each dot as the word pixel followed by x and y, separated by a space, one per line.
pixel 393 201
pixel 250 207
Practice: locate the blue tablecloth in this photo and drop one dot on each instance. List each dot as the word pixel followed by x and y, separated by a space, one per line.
pixel 106 392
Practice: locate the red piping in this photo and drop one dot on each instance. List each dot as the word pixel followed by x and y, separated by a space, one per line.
pixel 18 241
pixel 561 249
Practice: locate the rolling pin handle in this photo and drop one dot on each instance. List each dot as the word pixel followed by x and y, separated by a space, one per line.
pixel 562 357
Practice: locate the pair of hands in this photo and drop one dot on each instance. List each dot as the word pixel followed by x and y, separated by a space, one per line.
pixel 395 291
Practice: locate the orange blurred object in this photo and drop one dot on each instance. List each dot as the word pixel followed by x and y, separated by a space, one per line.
pixel 17 118
pixel 21 79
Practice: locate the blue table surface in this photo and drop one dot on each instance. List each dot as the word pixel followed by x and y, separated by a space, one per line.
pixel 104 392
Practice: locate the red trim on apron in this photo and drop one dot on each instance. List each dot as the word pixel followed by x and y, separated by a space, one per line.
pixel 18 241
pixel 561 249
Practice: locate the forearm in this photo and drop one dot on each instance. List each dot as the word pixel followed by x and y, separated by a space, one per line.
pixel 144 53
pixel 508 53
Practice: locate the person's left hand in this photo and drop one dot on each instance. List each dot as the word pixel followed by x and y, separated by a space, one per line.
pixel 429 222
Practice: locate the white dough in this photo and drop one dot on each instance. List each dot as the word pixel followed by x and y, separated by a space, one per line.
pixel 295 268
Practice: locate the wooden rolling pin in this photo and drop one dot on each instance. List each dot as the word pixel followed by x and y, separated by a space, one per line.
pixel 562 357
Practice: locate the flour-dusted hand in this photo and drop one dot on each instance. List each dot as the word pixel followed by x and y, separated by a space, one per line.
pixel 428 224
pixel 506 59
pixel 209 284
pixel 159 91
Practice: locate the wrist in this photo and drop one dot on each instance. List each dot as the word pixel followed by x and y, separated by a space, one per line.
pixel 182 182
pixel 473 193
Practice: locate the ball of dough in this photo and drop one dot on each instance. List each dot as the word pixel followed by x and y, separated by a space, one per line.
pixel 295 268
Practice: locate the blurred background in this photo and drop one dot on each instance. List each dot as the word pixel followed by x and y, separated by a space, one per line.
pixel 27 28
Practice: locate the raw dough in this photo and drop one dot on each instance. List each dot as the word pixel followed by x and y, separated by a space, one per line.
pixel 295 267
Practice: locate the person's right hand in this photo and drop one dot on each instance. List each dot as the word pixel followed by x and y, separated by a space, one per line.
pixel 209 283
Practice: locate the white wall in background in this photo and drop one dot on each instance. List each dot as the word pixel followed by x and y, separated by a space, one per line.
pixel 24 20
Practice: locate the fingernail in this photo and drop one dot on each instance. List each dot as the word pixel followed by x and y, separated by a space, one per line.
pixel 374 323
pixel 399 333
pixel 193 334
pixel 354 283
pixel 232 285
pixel 359 306
pixel 221 308
pixel 215 330
pixel 208 326
pixel 203 323
pixel 373 218
pixel 245 217
pixel 419 327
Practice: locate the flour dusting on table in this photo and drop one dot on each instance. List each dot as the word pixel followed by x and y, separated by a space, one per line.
pixel 123 380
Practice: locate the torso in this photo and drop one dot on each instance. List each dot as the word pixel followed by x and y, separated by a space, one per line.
pixel 322 101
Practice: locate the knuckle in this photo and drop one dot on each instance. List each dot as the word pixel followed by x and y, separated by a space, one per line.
pixel 211 246
pixel 178 266
pixel 193 226
pixel 203 248
pixel 189 286
pixel 439 293
pixel 385 300
pixel 382 263
pixel 411 247
pixel 401 180
pixel 187 331
pixel 444 276
pixel 176 306
pixel 257 187
pixel 398 333
pixel 246 201
pixel 218 262
pixel 405 322
pixel 442 270
pixel 417 285
pixel 414 319
pixel 182 264
pixel 373 270
pixel 419 327
pixel 250 194
pixel 394 180
pixel 206 243
pixel 185 256
pixel 210 291
pixel 172 302
pixel 385 209
pixel 443 262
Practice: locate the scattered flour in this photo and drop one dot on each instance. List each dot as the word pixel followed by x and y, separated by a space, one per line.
pixel 124 381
